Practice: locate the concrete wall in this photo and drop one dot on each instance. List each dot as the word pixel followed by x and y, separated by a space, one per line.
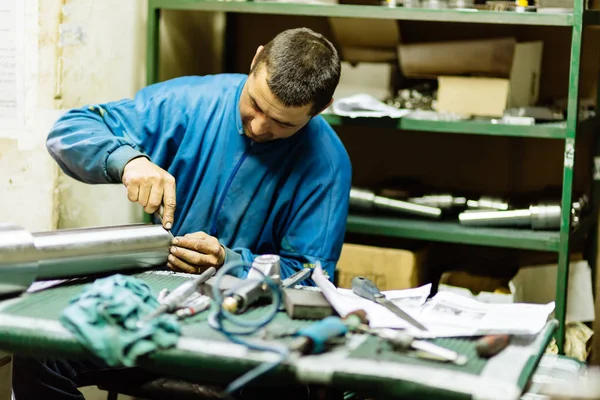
pixel 27 174
pixel 103 53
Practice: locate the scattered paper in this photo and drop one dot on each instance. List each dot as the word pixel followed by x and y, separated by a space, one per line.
pixel 445 315
pixel 42 285
pixel 364 105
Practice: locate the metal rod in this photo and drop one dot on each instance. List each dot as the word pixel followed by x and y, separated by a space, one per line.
pixel 77 252
pixel 369 201
pixel 25 257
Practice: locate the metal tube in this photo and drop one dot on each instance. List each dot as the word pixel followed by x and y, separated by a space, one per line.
pixel 368 201
pixel 18 259
pixel 386 204
pixel 496 218
pixel 25 257
pixel 80 252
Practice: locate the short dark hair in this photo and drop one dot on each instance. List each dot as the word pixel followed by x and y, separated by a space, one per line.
pixel 303 67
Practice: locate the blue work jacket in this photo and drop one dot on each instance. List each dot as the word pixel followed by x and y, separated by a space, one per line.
pixel 287 197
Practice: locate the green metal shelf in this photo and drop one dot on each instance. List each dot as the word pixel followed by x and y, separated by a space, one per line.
pixel 556 241
pixel 548 131
pixel 453 232
pixel 379 12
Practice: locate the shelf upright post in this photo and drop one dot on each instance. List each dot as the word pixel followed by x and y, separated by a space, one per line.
pixel 562 279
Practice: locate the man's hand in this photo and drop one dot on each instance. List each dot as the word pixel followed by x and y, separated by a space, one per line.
pixel 151 186
pixel 195 252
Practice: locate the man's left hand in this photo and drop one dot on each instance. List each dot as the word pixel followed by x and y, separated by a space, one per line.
pixel 195 252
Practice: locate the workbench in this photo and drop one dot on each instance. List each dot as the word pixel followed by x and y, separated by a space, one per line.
pixel 29 325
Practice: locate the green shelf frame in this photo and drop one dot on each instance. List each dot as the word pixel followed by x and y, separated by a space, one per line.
pixel 453 232
pixel 556 130
pixel 379 12
pixel 555 241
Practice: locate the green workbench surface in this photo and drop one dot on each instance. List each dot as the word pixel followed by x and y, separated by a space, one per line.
pixel 29 325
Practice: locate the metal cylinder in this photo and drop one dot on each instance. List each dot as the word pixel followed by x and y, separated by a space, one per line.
pixel 26 257
pixel 85 251
pixel 18 259
pixel 496 218
pixel 368 201
pixel 488 203
pixel 542 216
pixel 387 204
pixel 545 216
pixel 443 201
pixel 362 199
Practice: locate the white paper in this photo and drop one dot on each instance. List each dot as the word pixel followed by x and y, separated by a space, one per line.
pixel 11 64
pixel 364 105
pixel 43 285
pixel 445 315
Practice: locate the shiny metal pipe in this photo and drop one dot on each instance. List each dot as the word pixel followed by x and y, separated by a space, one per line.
pixel 18 259
pixel 443 201
pixel 368 201
pixel 80 252
pixel 537 217
pixel 25 257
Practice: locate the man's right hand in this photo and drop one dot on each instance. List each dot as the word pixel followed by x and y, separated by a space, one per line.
pixel 151 186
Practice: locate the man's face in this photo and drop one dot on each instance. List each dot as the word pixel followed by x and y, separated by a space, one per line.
pixel 264 118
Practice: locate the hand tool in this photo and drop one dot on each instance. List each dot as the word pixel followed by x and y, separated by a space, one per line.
pixel 490 345
pixel 427 349
pixel 66 253
pixel 313 339
pixel 179 295
pixel 363 287
pixel 306 304
pixel 368 201
pixel 296 278
pixel 190 309
pixel 250 293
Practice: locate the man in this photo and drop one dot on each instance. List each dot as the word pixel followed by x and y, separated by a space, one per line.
pixel 242 165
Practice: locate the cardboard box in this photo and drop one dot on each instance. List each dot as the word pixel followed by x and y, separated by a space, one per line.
pixel 387 268
pixel 491 96
pixel 366 40
pixel 491 57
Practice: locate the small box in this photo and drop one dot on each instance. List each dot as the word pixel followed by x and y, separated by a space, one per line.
pixel 491 96
pixel 388 268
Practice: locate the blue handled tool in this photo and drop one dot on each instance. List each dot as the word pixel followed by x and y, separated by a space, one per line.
pixel 313 338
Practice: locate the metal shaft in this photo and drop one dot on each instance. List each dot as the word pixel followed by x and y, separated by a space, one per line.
pixel 369 201
pixel 536 217
pixel 76 252
pixel 25 257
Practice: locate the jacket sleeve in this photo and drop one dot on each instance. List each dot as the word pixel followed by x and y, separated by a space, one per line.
pixel 94 143
pixel 315 228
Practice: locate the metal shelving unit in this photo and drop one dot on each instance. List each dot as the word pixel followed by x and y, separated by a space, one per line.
pixel 557 241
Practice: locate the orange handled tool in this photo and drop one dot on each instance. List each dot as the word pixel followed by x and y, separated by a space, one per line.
pixel 490 345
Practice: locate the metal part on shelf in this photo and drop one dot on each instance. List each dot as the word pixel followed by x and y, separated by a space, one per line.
pixel 488 203
pixel 368 201
pixel 443 201
pixel 539 216
pixel 25 257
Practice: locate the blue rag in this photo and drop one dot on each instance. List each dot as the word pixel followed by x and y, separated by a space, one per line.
pixel 104 319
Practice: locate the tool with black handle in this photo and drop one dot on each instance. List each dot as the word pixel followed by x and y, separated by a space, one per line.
pixel 363 287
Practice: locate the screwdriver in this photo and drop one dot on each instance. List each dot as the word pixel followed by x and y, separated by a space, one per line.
pixel 177 297
pixel 402 341
pixel 490 345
